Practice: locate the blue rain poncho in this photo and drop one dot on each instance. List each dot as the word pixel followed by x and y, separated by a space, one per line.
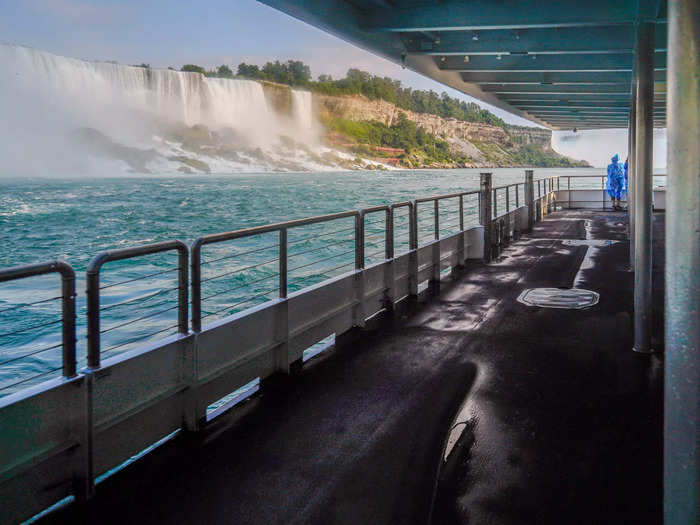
pixel 625 187
pixel 616 179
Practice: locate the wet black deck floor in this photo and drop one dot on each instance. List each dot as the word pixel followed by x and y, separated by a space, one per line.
pixel 562 421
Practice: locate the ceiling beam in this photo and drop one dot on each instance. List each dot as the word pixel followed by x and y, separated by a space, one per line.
pixel 454 15
pixel 562 40
pixel 503 90
pixel 569 77
pixel 573 97
pixel 544 63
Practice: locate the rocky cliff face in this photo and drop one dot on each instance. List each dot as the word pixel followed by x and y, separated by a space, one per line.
pixel 484 145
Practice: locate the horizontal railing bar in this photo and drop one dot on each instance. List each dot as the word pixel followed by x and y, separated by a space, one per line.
pixel 132 321
pixel 375 209
pixel 140 338
pixel 267 278
pixel 30 378
pixel 236 255
pixel 446 196
pixel 321 260
pixel 59 345
pixel 24 305
pixel 318 249
pixel 32 270
pixel 352 228
pixel 229 307
pixel 239 270
pixel 32 327
pixel 112 285
pixel 136 251
pixel 380 252
pixel 267 228
pixel 339 267
pixel 137 299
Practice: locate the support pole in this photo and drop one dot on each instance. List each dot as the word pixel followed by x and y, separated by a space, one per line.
pixel 486 217
pixel 632 167
pixel 643 186
pixel 682 304
pixel 529 199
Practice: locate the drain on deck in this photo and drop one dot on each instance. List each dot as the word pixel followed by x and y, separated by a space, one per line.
pixel 572 298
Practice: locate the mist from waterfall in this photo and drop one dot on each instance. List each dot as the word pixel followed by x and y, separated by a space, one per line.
pixel 77 116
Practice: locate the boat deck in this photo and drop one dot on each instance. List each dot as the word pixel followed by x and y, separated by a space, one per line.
pixel 560 421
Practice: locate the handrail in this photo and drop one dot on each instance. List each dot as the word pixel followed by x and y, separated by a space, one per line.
pixel 68 338
pixel 282 228
pixel 93 288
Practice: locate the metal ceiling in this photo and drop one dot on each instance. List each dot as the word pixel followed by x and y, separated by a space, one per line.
pixel 562 64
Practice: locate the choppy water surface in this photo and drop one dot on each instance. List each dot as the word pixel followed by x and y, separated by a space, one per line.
pixel 44 219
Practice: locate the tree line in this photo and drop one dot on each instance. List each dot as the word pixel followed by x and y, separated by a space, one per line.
pixel 356 82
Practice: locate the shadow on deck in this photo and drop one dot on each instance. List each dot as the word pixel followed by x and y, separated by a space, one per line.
pixel 560 421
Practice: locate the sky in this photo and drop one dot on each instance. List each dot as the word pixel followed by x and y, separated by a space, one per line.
pixel 171 33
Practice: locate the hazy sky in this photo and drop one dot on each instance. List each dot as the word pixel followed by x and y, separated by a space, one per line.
pixel 212 32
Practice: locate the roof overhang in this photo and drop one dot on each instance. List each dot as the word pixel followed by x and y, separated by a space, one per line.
pixel 559 64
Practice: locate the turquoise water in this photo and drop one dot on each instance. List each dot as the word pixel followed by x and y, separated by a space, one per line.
pixel 44 219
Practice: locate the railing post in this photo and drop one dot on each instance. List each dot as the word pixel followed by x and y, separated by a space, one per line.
pixel 389 267
pixel 485 214
pixel 602 185
pixel 359 279
pixel 568 192
pixel 359 241
pixel 530 199
pixel 282 321
pixel 435 279
pixel 495 203
pixel 68 321
pixel 461 252
pixel 183 284
pixel 92 289
pixel 413 247
pixel 283 263
pixel 196 274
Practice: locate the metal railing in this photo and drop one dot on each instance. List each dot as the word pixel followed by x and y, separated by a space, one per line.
pixel 288 302
pixel 67 319
pixel 575 191
pixel 93 289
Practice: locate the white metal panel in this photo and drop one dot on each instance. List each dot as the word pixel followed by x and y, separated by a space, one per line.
pixel 659 199
pixel 40 446
pixel 137 400
pixel 475 242
pixel 238 338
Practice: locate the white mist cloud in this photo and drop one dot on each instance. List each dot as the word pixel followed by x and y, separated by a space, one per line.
pixel 598 146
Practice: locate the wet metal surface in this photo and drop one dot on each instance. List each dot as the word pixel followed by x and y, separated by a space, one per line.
pixel 572 298
pixel 521 414
pixel 564 422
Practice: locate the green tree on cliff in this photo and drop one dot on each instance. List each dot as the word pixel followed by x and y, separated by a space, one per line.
pixel 224 72
pixel 192 68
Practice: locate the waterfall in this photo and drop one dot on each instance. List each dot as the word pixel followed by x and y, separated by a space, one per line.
pixel 141 115
pixel 302 110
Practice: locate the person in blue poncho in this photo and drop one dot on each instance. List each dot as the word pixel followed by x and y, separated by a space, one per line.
pixel 626 184
pixel 616 181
